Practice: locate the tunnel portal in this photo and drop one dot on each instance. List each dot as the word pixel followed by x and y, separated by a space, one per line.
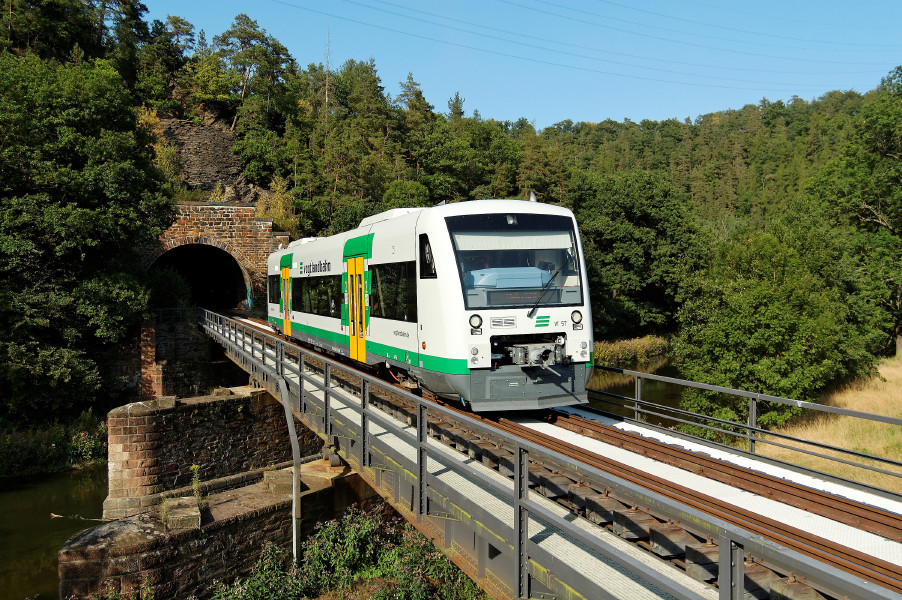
pixel 215 277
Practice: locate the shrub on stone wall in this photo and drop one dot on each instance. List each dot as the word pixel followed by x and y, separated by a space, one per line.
pixel 382 557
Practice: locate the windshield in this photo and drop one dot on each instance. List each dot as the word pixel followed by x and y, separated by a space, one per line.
pixel 505 260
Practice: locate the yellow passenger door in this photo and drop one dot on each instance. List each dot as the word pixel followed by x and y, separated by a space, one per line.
pixel 357 317
pixel 286 302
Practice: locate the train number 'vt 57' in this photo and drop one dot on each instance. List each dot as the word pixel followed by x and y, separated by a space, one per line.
pixel 482 301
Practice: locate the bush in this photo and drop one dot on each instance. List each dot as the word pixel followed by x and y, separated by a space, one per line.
pixel 362 547
pixel 54 448
pixel 782 313
pixel 628 352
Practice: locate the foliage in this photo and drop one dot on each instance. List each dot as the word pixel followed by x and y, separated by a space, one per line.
pixel 782 312
pixel 863 187
pixel 360 546
pixel 52 30
pixel 279 205
pixel 78 192
pixel 53 448
pixel 202 503
pixel 112 591
pixel 640 241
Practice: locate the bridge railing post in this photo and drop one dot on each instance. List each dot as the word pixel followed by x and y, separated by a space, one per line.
pixel 521 522
pixel 753 422
pixel 302 366
pixel 364 424
pixel 327 416
pixel 422 439
pixel 730 570
pixel 638 397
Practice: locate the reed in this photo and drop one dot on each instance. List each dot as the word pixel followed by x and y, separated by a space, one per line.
pixel 622 353
pixel 878 395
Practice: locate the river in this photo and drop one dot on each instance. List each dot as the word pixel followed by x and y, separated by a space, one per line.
pixel 658 392
pixel 30 538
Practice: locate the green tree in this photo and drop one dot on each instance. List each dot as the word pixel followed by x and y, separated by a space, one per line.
pixel 864 188
pixel 127 31
pixel 640 241
pixel 78 194
pixel 249 52
pixel 783 312
pixel 51 28
pixel 160 61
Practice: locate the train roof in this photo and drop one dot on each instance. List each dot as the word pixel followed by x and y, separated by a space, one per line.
pixel 471 207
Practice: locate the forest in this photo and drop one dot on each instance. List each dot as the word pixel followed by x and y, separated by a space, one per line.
pixel 766 242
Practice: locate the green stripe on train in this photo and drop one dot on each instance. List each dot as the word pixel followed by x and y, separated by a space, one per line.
pixel 449 366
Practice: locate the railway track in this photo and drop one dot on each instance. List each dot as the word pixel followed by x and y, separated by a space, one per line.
pixel 858 563
pixel 867 518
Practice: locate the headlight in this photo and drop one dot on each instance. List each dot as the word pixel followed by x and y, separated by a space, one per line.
pixel 576 316
pixel 475 321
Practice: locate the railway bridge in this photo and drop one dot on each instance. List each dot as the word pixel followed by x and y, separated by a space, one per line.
pixel 566 505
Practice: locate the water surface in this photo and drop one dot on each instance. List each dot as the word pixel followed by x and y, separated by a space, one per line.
pixel 30 539
pixel 658 392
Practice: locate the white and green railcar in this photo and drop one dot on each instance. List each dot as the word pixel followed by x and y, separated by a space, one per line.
pixel 483 301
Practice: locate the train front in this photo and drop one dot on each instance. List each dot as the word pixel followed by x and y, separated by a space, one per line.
pixel 523 281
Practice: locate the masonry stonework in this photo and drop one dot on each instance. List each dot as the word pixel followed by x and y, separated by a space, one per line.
pixel 152 445
pixel 234 228
pixel 140 554
pixel 205 156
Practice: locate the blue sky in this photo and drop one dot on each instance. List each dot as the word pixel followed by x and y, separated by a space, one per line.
pixel 585 60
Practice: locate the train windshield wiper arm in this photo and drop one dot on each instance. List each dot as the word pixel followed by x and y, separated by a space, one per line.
pixel 544 289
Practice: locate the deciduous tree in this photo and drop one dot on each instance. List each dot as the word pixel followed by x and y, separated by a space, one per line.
pixel 78 194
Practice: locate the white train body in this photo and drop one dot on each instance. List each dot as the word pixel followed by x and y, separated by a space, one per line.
pixel 483 301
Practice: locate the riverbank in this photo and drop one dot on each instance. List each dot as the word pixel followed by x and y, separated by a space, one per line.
pixel 54 448
pixel 878 396
pixel 620 353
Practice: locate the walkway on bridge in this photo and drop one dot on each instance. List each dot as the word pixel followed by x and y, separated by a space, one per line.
pixel 524 519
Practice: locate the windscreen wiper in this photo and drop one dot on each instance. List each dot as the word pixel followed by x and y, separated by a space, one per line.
pixel 544 289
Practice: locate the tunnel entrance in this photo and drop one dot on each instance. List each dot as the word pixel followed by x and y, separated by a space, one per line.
pixel 215 279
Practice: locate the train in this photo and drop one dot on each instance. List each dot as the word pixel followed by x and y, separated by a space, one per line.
pixel 484 302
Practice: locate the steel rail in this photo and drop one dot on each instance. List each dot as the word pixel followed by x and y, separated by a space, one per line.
pixel 857 563
pixel 869 518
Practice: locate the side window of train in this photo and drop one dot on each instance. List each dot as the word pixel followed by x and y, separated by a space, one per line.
pixel 427 261
pixel 274 291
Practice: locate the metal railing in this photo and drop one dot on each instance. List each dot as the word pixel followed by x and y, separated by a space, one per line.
pixel 751 433
pixel 302 377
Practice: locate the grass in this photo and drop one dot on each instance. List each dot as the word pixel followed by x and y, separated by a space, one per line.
pixel 621 353
pixel 878 396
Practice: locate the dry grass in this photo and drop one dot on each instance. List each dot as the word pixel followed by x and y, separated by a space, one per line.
pixel 877 396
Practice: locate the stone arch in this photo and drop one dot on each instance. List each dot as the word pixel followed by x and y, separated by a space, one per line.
pixel 233 228
pixel 167 244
